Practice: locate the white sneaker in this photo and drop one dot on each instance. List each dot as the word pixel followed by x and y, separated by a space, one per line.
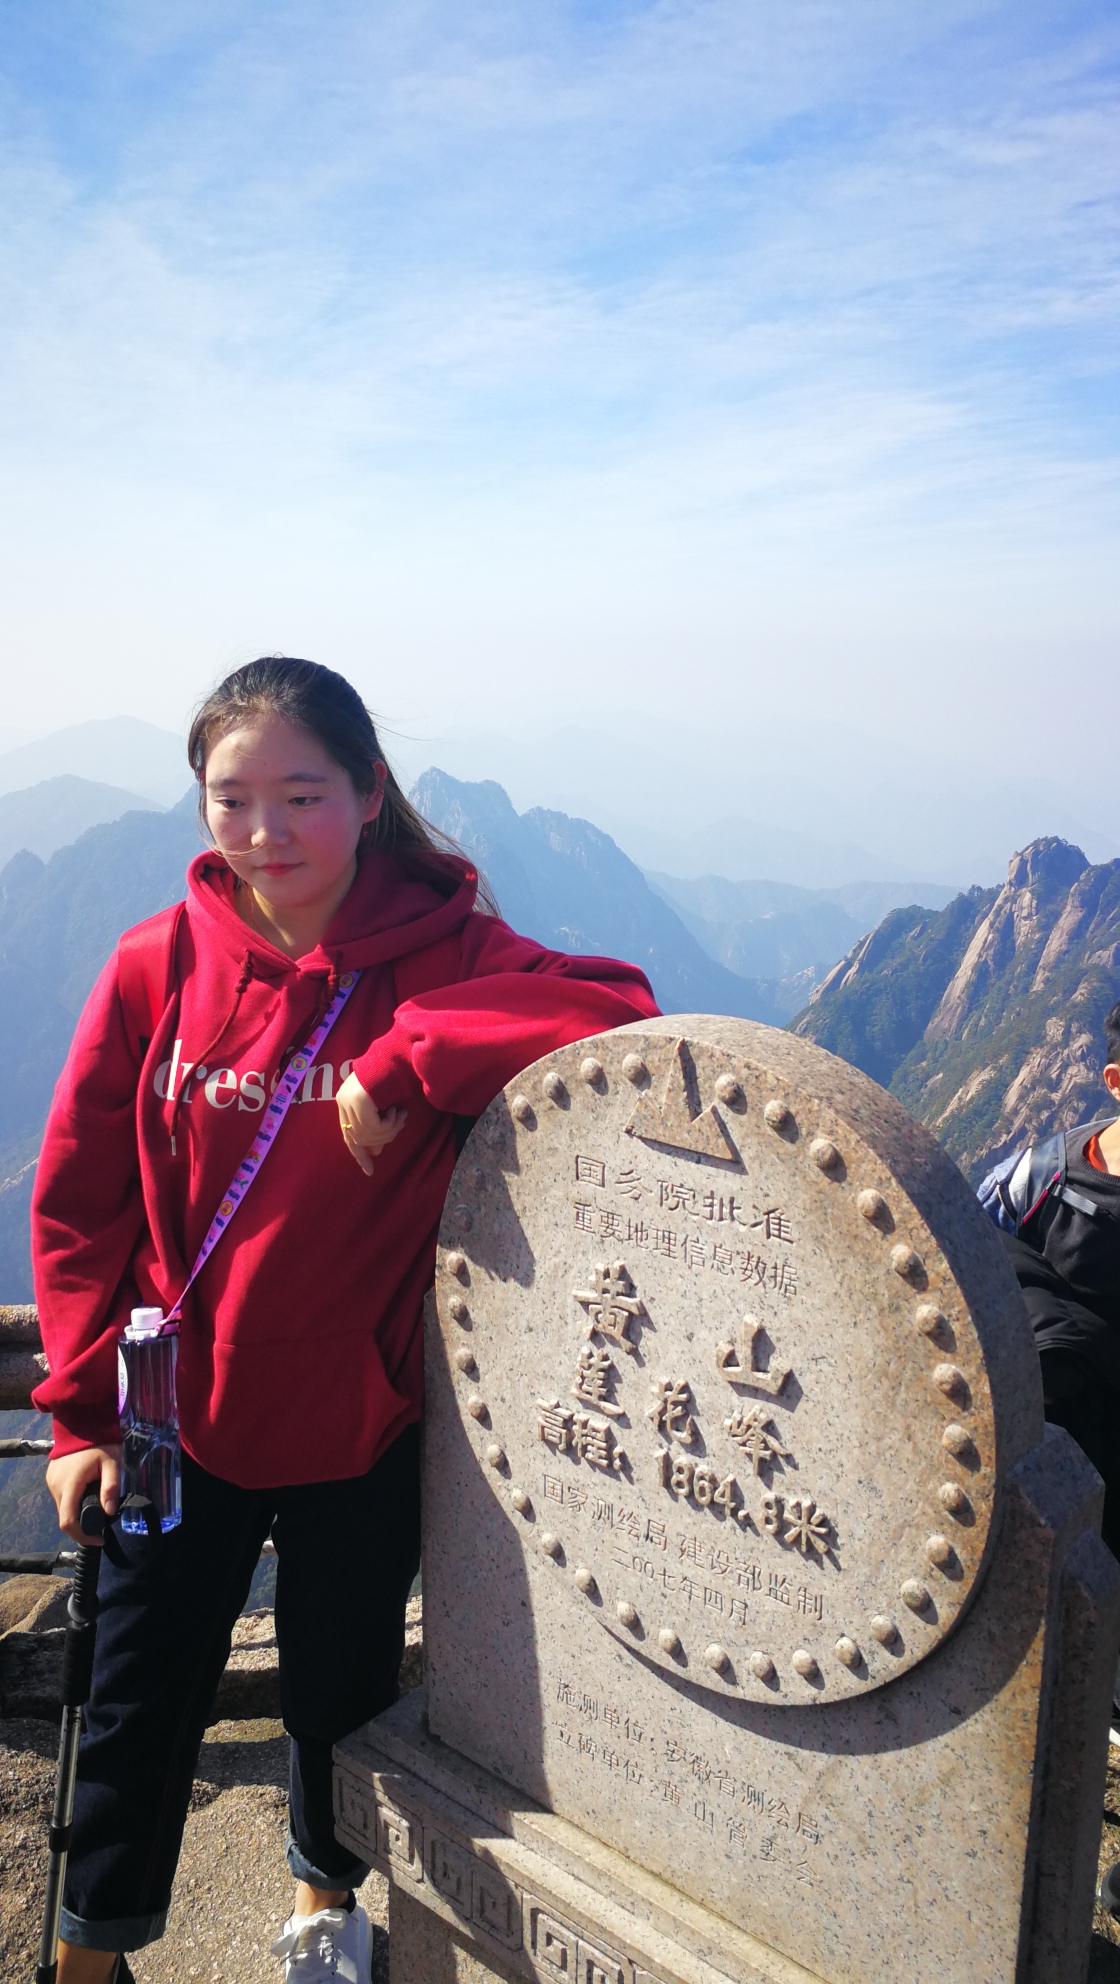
pixel 335 1943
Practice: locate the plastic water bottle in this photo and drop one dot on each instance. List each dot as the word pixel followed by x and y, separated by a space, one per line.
pixel 149 1417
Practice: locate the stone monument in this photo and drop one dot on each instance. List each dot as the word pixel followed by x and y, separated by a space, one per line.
pixel 768 1633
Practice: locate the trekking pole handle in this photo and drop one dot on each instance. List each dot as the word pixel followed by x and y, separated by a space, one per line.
pixel 91 1516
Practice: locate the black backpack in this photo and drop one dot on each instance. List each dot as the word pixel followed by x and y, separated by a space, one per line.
pixel 1020 1185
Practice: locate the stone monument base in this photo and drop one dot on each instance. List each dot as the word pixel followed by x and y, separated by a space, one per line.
pixel 484 1884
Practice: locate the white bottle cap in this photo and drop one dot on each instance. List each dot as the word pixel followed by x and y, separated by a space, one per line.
pixel 145 1322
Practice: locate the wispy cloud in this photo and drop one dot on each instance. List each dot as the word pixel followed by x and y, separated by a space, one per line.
pixel 713 303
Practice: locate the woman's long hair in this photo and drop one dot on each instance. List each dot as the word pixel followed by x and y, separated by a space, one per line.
pixel 324 704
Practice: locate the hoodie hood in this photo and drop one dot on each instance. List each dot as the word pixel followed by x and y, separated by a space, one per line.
pixel 386 915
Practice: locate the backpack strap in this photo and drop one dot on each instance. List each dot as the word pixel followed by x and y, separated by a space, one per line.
pixel 145 974
pixel 1015 1189
pixel 1020 1186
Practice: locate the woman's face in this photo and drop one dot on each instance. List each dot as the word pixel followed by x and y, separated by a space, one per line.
pixel 283 813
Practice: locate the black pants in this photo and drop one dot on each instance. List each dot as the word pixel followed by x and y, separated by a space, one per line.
pixel 347 1553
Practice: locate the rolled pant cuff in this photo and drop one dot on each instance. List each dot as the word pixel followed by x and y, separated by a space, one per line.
pixel 351 1877
pixel 131 1932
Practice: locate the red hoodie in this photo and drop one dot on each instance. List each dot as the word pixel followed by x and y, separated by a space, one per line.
pixel 300 1355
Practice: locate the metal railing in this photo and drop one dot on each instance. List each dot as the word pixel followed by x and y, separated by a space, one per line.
pixel 22 1363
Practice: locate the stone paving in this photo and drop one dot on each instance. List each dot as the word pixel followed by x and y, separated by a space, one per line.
pixel 233 1888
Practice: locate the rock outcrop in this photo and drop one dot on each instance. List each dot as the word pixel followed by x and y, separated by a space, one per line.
pixel 985 1017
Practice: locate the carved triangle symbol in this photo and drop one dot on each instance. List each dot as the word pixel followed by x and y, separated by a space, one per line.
pixel 672 1121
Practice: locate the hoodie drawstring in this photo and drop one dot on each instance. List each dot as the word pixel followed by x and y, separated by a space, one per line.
pixel 243 983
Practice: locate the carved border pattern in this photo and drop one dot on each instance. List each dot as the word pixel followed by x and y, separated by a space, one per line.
pixel 518 1924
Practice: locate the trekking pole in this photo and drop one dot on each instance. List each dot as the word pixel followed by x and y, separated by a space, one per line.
pixel 77 1679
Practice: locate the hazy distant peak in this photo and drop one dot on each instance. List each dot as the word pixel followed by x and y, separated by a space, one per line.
pixel 439 797
pixel 121 751
pixel 567 883
pixel 19 875
pixel 56 811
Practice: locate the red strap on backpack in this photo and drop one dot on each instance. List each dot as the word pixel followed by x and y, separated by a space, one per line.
pixel 146 974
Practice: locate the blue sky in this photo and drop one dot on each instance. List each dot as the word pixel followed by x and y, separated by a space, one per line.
pixel 723 359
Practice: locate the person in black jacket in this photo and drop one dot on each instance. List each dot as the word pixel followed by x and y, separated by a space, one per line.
pixel 1058 1206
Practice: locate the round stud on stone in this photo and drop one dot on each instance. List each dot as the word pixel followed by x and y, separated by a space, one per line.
pixel 914 1594
pixel 464 1359
pixel 823 1151
pixel 762 1667
pixel 456 1264
pixel 729 1091
pixel 520 1500
pixel 883 1629
pixel 952 1497
pixel 668 1640
pixel 495 1454
pixel 591 1070
pixel 949 1379
pixel 847 1651
pixel 929 1319
pixel 804 1664
pixel 522 1110
pixel 777 1115
pixel 634 1068
pixel 717 1658
pixel 585 1579
pixel 463 1218
pixel 958 1440
pixel 872 1205
pixel 940 1551
pixel 457 1309
pixel 625 1613
pixel 550 1544
pixel 553 1087
pixel 906 1262
pixel 477 1408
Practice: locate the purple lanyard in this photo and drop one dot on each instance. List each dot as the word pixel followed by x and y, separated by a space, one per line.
pixel 262 1143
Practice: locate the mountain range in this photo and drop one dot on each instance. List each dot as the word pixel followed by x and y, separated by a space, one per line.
pixel 115 750
pixel 53 813
pixel 558 879
pixel 566 883
pixel 783 936
pixel 982 1013
pixel 698 790
pixel 985 1018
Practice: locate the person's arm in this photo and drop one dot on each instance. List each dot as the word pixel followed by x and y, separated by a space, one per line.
pixel 514 1002
pixel 87 1214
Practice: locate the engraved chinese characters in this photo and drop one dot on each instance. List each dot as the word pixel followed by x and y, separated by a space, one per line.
pixel 737 1408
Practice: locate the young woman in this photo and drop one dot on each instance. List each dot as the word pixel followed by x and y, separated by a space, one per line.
pixel 300 1353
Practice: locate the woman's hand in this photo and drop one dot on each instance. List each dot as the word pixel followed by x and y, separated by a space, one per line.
pixel 70 1476
pixel 365 1129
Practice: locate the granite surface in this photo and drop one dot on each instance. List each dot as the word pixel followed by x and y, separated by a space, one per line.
pixel 720 1370
pixel 743 1552
pixel 524 1893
